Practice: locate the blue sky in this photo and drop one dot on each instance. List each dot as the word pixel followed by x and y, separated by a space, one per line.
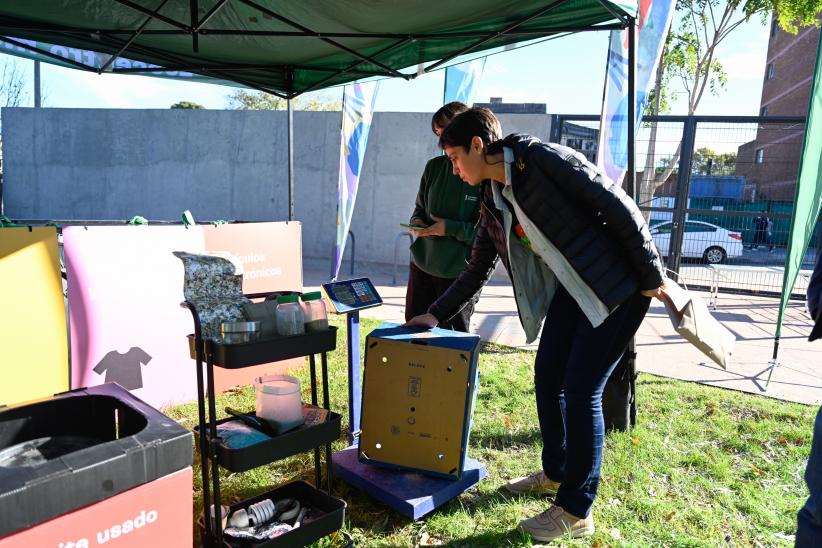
pixel 566 73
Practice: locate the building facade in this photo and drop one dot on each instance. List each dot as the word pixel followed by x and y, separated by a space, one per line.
pixel 770 162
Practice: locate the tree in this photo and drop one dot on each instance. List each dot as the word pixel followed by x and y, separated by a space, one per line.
pixel 12 94
pixel 188 105
pixel 244 99
pixel 12 84
pixel 690 57
pixel 709 162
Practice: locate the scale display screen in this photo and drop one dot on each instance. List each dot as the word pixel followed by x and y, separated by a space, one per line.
pixel 349 295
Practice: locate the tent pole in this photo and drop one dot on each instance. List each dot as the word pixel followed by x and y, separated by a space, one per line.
pixel 290 162
pixel 631 174
pixel 631 190
pixel 773 363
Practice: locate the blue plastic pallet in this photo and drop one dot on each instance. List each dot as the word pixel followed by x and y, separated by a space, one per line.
pixel 409 493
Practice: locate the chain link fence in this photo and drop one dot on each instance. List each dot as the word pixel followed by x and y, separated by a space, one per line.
pixel 717 193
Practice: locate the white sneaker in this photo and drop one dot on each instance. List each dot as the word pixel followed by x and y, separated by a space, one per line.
pixel 536 483
pixel 556 523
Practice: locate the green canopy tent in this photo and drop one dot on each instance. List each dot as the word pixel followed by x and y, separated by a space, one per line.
pixel 288 48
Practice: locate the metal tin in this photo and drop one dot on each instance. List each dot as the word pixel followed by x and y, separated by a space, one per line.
pixel 239 327
pixel 240 332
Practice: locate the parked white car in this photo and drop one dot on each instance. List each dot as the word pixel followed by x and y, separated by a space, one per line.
pixel 706 241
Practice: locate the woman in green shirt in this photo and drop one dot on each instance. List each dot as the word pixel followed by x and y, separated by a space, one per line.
pixel 447 212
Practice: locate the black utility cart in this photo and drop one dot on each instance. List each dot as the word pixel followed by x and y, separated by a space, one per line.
pixel 327 512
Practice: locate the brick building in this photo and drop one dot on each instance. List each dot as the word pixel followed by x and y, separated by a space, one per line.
pixel 770 162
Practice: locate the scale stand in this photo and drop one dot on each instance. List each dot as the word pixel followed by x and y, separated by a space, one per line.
pixel 409 493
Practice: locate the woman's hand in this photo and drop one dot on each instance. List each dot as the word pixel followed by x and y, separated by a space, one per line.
pixel 436 229
pixel 412 230
pixel 423 320
pixel 659 292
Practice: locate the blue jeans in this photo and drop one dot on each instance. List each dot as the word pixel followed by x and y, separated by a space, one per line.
pixel 573 363
pixel 809 519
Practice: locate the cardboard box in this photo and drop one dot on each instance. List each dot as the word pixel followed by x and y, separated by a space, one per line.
pixel 418 399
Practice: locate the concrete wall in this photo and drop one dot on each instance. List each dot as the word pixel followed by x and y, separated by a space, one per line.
pixel 114 164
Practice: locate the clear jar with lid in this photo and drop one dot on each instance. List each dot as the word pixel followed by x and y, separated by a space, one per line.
pixel 316 317
pixel 289 316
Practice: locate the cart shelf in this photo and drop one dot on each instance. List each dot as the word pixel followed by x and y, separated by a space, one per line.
pixel 239 355
pixel 267 450
pixel 326 516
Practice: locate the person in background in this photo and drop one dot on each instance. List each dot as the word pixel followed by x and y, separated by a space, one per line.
pixel 769 233
pixel 581 258
pixel 809 518
pixel 760 224
pixel 446 214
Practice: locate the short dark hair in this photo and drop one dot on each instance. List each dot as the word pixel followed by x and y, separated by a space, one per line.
pixel 474 122
pixel 446 113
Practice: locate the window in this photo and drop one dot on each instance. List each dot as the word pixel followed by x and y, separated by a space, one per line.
pixel 664 228
pixel 769 74
pixel 760 156
pixel 699 227
pixel 763 111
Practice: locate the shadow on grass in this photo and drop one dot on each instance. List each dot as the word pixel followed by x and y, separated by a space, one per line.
pixel 375 519
pixel 508 538
pixel 500 441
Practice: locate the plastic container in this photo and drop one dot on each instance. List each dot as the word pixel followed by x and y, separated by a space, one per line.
pixel 316 317
pixel 289 316
pixel 278 401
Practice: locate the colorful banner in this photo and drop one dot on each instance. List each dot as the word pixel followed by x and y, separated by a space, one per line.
pixel 357 115
pixel 808 194
pixel 461 81
pixel 652 27
pixel 33 336
pixel 124 293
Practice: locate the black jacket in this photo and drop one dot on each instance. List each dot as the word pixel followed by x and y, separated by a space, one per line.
pixel 589 219
pixel 815 300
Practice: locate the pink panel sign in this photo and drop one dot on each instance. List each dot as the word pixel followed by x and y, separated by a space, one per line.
pixel 124 294
pixel 158 513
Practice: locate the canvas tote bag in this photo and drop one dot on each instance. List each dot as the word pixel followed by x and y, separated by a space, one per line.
pixel 693 321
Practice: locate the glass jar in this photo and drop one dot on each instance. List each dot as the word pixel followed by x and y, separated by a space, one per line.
pixel 316 318
pixel 278 401
pixel 289 316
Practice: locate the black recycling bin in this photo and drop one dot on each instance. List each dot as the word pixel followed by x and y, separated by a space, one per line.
pixel 81 447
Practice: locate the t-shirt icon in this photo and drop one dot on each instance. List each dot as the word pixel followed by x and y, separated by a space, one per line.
pixel 124 368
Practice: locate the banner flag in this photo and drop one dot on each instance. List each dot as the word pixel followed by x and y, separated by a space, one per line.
pixel 357 115
pixel 461 81
pixel 653 24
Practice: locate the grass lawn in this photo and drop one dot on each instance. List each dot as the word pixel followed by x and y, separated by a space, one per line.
pixel 704 466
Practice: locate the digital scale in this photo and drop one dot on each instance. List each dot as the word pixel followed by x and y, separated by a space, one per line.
pixel 351 295
pixel 410 493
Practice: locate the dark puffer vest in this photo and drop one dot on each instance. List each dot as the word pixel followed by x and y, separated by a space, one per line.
pixel 594 224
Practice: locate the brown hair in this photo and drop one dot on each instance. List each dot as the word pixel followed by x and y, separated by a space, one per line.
pixel 474 122
pixel 446 113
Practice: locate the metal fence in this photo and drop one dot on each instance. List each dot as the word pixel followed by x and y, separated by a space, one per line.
pixel 717 193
